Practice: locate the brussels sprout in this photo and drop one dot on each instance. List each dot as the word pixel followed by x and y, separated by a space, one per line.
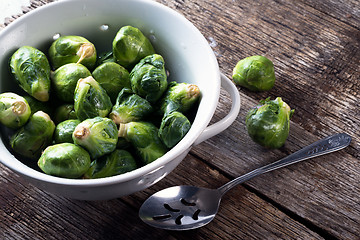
pixel 36 105
pixel 268 124
pixel 34 136
pixel 32 72
pixel 130 46
pixel 64 130
pixel 105 57
pixel 65 79
pixel 255 73
pixel 122 143
pixel 173 128
pixel 64 160
pixel 143 136
pixel 72 49
pixel 179 97
pixel 64 112
pixel 91 100
pixel 148 78
pixel 97 135
pixel 14 110
pixel 129 107
pixel 115 163
pixel 112 77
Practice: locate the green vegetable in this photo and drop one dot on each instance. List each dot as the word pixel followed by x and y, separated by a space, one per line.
pixel 65 78
pixel 148 78
pixel 255 73
pixel 64 131
pixel 115 163
pixel 179 97
pixel 72 49
pixel 122 143
pixel 268 124
pixel 174 127
pixel 130 46
pixel 112 77
pixel 64 160
pixel 129 107
pixel 64 112
pixel 36 105
pixel 90 99
pixel 97 135
pixel 143 136
pixel 105 57
pixel 14 110
pixel 32 72
pixel 34 136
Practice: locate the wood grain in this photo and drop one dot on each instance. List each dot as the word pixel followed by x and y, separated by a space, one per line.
pixel 315 49
pixel 29 211
pixel 317 77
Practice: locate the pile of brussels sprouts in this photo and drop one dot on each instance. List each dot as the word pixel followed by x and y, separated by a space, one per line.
pixel 85 115
pixel 268 123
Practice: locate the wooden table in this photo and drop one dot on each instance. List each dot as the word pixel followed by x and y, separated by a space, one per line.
pixel 314 45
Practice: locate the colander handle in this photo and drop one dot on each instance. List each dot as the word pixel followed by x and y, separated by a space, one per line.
pixel 224 123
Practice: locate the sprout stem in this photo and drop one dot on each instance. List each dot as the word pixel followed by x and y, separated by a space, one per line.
pixel 115 117
pixel 122 130
pixel 85 50
pixel 18 107
pixel 194 91
pixel 81 132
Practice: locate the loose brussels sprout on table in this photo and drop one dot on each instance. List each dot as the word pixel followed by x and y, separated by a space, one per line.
pixel 32 72
pixel 65 78
pixel 97 135
pixel 255 73
pixel 72 49
pixel 130 107
pixel 112 77
pixel 115 163
pixel 64 131
pixel 148 78
pixel 14 110
pixel 143 136
pixel 179 97
pixel 64 160
pixel 91 100
pixel 130 46
pixel 34 136
pixel 268 124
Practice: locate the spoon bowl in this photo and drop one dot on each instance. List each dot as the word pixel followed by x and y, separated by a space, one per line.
pixel 189 207
pixel 182 205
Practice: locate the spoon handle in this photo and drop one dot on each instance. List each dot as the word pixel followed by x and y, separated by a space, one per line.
pixel 326 145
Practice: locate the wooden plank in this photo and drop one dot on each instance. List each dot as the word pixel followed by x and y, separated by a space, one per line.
pixel 313 55
pixel 315 50
pixel 242 215
pixel 345 11
pixel 28 212
pixel 328 184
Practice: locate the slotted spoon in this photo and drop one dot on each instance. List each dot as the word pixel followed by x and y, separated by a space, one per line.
pixel 189 207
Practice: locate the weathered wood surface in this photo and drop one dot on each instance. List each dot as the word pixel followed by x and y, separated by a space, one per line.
pixel 315 49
